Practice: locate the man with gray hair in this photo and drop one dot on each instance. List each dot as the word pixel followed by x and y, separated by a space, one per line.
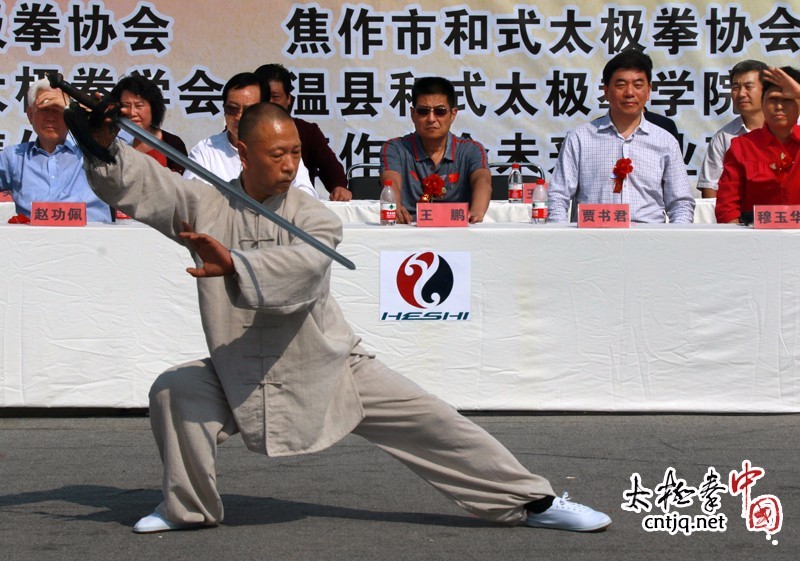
pixel 746 100
pixel 49 169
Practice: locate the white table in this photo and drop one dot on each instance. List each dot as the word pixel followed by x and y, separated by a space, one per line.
pixel 656 318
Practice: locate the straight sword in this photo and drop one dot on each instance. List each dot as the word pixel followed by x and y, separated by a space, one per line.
pixel 57 81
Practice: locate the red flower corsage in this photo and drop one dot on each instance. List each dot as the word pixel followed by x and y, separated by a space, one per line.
pixel 433 188
pixel 621 170
pixel 783 164
pixel 19 219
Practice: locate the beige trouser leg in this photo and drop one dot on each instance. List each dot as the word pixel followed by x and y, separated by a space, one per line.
pixel 190 417
pixel 453 454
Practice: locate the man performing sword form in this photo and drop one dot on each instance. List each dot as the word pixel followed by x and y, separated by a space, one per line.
pixel 285 368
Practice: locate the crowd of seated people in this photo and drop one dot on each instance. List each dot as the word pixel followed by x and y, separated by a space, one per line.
pixel 751 160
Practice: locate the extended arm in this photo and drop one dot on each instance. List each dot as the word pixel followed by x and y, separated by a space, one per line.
pixel 330 169
pixel 391 162
pixel 143 189
pixel 731 189
pixel 678 199
pixel 217 260
pixel 290 275
pixel 789 87
pixel 481 182
pixel 711 170
pixel 565 179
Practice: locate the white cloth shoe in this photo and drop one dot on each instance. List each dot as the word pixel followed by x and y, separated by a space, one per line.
pixel 563 514
pixel 156 523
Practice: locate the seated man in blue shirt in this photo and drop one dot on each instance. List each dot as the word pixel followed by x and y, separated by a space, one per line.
pixel 657 186
pixel 49 169
pixel 433 150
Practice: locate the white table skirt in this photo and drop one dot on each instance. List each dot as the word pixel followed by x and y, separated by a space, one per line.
pixel 656 318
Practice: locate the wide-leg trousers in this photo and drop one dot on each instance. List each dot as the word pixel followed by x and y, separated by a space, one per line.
pixel 190 417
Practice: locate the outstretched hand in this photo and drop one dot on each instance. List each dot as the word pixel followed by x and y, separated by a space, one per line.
pixel 789 87
pixel 92 129
pixel 104 129
pixel 403 216
pixel 217 261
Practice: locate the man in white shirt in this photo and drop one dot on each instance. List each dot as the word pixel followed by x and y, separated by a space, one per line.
pixel 218 153
pixel 656 185
pixel 746 100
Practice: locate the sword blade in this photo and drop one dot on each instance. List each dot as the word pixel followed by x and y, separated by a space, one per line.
pixel 138 132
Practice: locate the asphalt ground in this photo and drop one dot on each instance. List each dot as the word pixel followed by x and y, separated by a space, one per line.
pixel 72 488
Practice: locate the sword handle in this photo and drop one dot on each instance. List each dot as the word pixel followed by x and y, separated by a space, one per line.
pixel 57 81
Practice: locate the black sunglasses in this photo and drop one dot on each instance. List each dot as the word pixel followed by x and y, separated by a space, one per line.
pixel 233 110
pixel 439 111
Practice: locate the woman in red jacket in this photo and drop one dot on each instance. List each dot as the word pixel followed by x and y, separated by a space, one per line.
pixel 761 167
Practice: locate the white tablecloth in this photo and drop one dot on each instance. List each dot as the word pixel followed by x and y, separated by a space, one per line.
pixel 656 318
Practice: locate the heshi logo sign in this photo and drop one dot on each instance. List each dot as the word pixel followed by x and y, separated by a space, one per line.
pixel 425 286
pixel 425 280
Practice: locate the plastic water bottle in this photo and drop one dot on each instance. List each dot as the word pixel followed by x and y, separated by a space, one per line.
pixel 539 200
pixel 515 184
pixel 388 205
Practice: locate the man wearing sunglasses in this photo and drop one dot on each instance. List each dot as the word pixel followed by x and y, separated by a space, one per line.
pixel 432 150
pixel 218 153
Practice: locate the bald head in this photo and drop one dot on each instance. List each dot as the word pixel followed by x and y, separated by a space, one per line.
pixel 256 116
pixel 269 148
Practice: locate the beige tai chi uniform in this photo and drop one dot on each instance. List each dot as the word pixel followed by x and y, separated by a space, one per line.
pixel 286 369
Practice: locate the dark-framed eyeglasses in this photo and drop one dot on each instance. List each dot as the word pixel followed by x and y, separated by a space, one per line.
pixel 439 110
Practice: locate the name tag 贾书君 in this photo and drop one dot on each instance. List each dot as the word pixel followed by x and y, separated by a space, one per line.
pixel 58 214
pixel 604 216
pixel 447 215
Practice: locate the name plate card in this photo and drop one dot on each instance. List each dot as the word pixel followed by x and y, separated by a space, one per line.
pixel 776 217
pixel 604 216
pixel 527 192
pixel 58 214
pixel 446 215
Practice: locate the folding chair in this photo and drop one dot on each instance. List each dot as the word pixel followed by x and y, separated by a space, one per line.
pixel 364 186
